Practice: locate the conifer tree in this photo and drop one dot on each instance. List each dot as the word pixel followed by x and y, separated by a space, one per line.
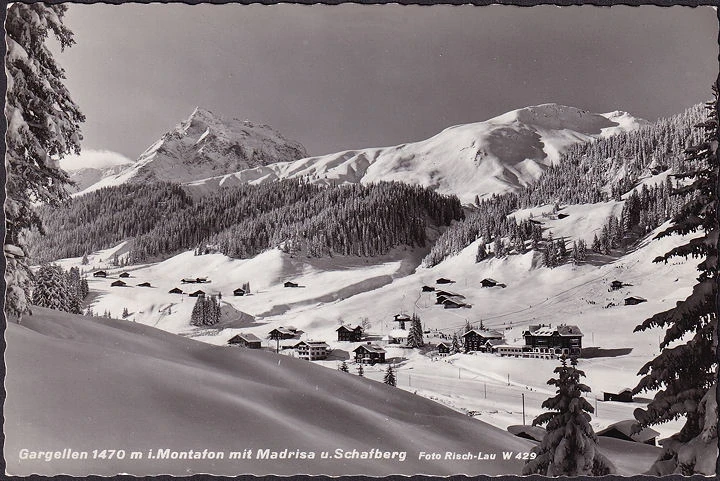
pixel 685 375
pixel 343 367
pixel 455 346
pixel 52 289
pixel 360 370
pixel 481 252
pixel 43 126
pixel 569 447
pixel 389 378
pixel 415 335
pixel 197 317
pixel 125 313
pixel 84 260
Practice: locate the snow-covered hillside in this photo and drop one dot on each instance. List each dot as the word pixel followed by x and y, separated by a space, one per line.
pixel 206 145
pixel 498 155
pixel 354 289
pixel 93 385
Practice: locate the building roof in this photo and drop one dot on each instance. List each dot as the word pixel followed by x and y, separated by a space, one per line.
pixel 247 336
pixel 370 348
pixel 562 330
pixel 118 283
pixel 453 300
pixel 487 279
pixel 495 342
pixel 626 428
pixel 533 432
pixel 239 289
pixel 445 343
pixel 283 330
pixel 637 298
pixel 442 292
pixel 313 344
pixel 348 327
pixel 487 333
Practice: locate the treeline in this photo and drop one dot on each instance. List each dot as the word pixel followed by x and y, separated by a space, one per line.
pixel 488 220
pixel 57 289
pixel 103 218
pixel 587 173
pixel 362 220
pixel 242 221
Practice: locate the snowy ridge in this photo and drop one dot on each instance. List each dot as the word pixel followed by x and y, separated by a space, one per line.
pixel 497 155
pixel 206 145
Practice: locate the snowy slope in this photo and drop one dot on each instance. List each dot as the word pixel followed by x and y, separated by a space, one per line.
pixel 109 384
pixel 500 154
pixel 352 289
pixel 207 145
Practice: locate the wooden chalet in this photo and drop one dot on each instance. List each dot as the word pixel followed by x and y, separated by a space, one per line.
pixel 144 284
pixel 444 348
pixel 443 280
pixel 633 300
pixel 489 282
pixel 290 284
pixel 282 333
pixel 100 274
pixel 446 293
pixel 251 341
pixel 175 290
pixel 118 284
pixel 194 280
pixel 475 339
pixel 349 333
pixel 428 288
pixel 492 344
pixel 311 350
pixel 564 339
pixel 124 275
pixel 615 285
pixel 624 396
pixel 533 433
pixel 239 292
pixel 198 293
pixel 625 430
pixel 453 303
pixel 369 354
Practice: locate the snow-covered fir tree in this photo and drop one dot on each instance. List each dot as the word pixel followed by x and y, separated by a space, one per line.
pixel 415 334
pixel 389 377
pixel 125 313
pixel 569 447
pixel 481 254
pixel 343 367
pixel 360 370
pixel 455 346
pixel 52 289
pixel 43 126
pixel 685 372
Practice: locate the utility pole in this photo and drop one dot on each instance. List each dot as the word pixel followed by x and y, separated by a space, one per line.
pixel 508 379
pixel 523 406
pixel 485 389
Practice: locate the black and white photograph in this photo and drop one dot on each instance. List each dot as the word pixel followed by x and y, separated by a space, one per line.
pixel 360 240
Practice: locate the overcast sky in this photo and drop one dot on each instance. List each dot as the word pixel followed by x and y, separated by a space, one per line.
pixel 352 76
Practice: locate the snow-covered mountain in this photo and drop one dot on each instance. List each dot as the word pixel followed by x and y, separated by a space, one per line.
pixel 497 155
pixel 207 145
pixel 91 166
